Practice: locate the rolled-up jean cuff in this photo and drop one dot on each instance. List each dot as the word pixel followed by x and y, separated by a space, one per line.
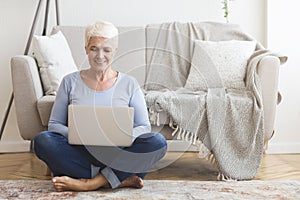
pixel 94 171
pixel 110 177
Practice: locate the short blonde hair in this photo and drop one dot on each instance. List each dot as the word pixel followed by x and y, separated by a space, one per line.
pixel 101 29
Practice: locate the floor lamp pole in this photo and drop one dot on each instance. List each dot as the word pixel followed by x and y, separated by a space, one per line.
pixel 32 31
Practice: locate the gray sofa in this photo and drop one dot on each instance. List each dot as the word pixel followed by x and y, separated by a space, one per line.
pixel 33 108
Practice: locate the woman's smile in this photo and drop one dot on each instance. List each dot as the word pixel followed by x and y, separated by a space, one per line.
pixel 100 62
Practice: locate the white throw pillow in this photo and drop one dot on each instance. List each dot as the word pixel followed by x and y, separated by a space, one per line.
pixel 219 64
pixel 54 58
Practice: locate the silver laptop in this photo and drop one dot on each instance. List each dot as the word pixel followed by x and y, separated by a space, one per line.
pixel 100 125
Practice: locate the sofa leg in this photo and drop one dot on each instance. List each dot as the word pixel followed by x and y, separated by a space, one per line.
pixel 31 146
pixel 266 142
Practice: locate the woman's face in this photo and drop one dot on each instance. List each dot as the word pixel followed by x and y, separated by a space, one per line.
pixel 100 53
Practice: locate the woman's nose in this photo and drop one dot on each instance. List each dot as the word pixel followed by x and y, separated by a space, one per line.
pixel 100 54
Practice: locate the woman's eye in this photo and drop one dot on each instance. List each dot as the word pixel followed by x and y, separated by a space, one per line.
pixel 93 49
pixel 107 50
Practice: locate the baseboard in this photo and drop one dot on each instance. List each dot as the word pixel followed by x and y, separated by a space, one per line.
pixel 14 146
pixel 283 148
pixel 181 146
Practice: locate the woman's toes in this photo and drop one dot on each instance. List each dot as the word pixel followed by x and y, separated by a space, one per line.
pixel 133 181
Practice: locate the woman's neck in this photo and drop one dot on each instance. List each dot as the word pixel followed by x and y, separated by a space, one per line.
pixel 97 80
pixel 101 76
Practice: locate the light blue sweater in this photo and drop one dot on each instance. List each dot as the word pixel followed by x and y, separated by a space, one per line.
pixel 125 92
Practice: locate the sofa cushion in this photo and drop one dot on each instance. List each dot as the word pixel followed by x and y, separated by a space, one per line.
pixel 130 56
pixel 219 64
pixel 55 60
pixel 44 106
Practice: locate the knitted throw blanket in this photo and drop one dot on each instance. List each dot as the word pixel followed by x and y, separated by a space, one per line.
pixel 228 123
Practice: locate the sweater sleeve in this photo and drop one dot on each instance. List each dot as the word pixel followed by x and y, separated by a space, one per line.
pixel 59 114
pixel 141 119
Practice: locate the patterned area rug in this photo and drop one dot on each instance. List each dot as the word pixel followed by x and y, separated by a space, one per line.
pixel 159 189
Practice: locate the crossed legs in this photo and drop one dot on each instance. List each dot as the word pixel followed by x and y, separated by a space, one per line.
pixel 116 167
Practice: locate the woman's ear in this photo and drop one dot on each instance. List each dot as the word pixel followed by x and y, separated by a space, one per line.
pixel 86 50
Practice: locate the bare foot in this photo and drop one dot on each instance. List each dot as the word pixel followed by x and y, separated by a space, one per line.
pixel 65 183
pixel 133 181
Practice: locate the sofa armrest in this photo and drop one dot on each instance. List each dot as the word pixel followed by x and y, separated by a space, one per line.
pixel 44 106
pixel 27 89
pixel 268 71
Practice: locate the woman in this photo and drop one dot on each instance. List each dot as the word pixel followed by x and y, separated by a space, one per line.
pixel 82 168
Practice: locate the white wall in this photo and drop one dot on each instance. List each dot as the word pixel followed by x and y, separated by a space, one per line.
pixel 16 17
pixel 283 34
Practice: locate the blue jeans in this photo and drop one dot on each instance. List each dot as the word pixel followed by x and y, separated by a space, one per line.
pixel 114 163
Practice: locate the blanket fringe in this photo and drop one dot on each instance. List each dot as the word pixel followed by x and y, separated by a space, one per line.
pixel 182 134
pixel 154 117
pixel 186 135
pixel 157 119
pixel 222 177
pixel 195 139
pixel 175 131
pixel 179 133
pixel 171 123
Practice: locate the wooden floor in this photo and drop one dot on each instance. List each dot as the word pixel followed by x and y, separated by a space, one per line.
pixel 175 166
